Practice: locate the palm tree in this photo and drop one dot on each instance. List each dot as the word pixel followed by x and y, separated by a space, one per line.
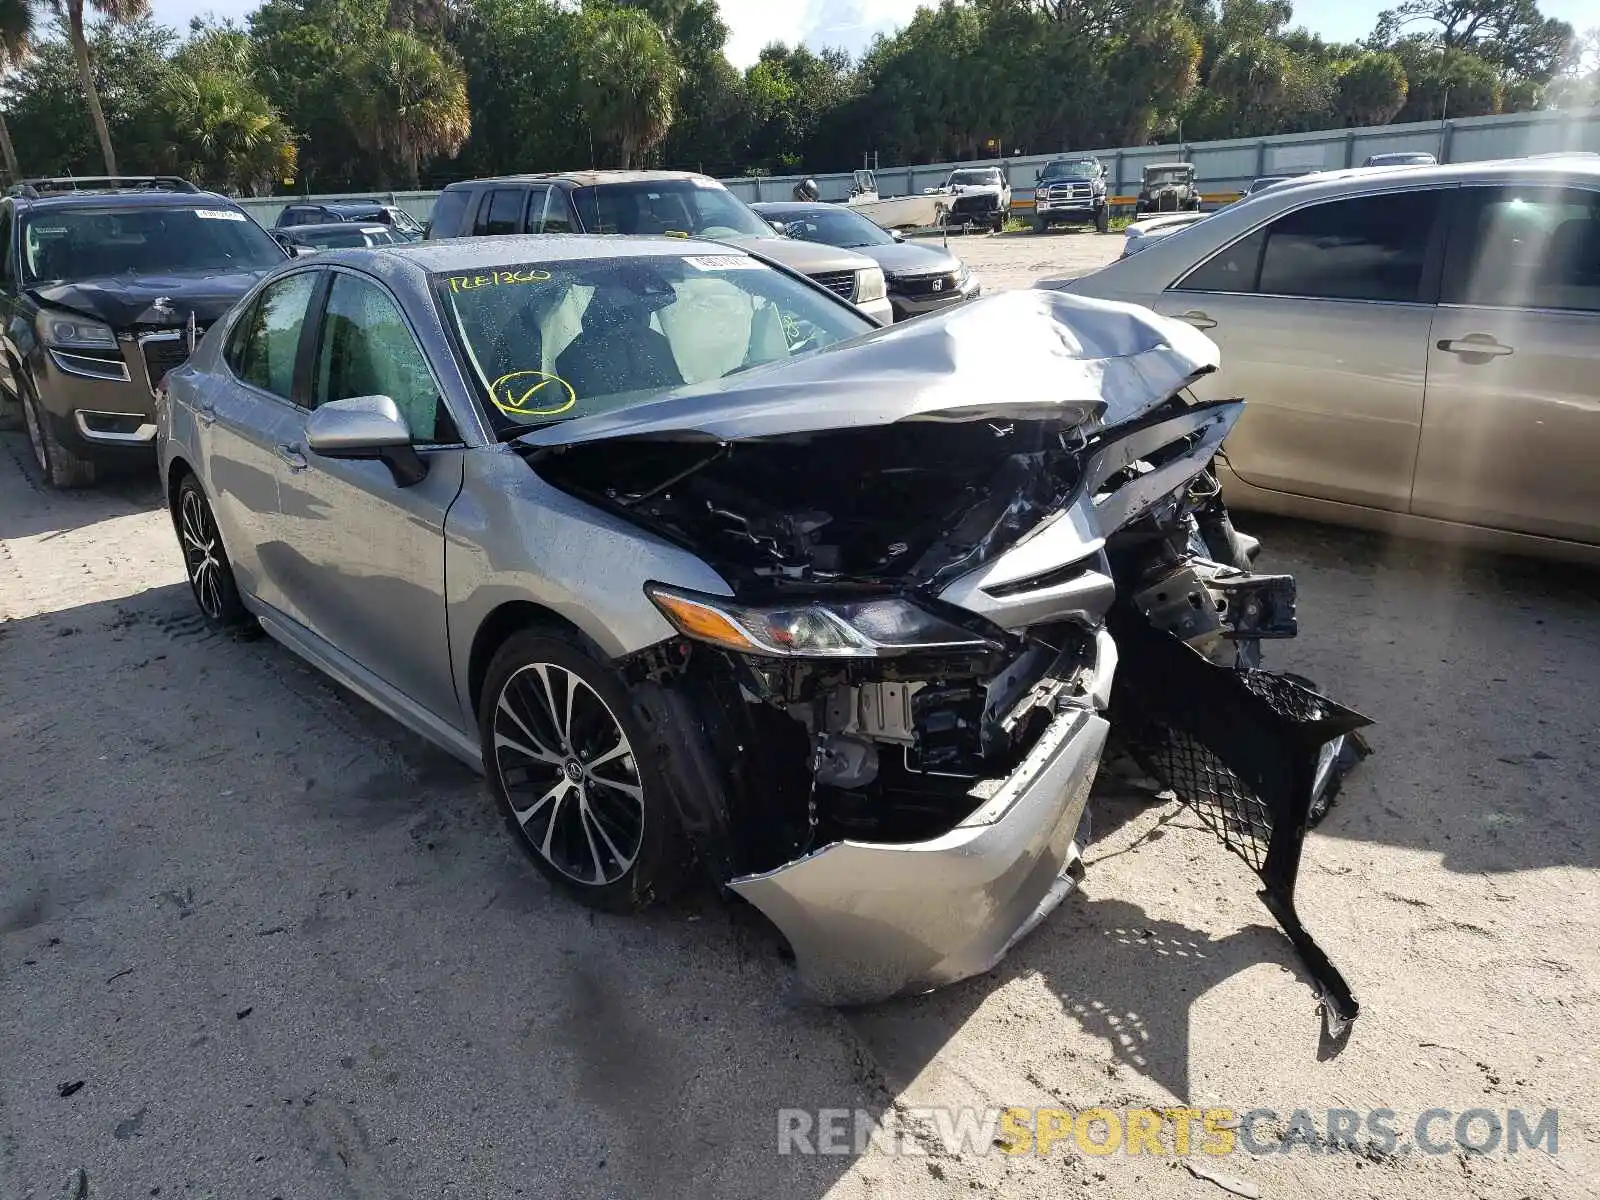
pixel 119 12
pixel 630 81
pixel 16 43
pixel 226 132
pixel 406 100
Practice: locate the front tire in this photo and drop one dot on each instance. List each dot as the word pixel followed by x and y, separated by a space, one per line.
pixel 1102 219
pixel 205 561
pixel 60 467
pixel 1040 225
pixel 576 774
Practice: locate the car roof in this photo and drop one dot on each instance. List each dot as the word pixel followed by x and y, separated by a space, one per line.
pixel 339 227
pixel 445 255
pixel 587 178
pixel 799 206
pixel 1165 166
pixel 125 198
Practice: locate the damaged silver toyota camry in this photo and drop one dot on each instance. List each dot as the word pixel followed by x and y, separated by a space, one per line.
pixel 706 573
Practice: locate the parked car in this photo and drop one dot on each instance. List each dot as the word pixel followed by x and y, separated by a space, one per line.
pixel 1421 347
pixel 606 518
pixel 1140 235
pixel 104 284
pixel 979 196
pixel 339 235
pixel 370 212
pixel 649 202
pixel 1402 158
pixel 920 276
pixel 1168 187
pixel 1071 191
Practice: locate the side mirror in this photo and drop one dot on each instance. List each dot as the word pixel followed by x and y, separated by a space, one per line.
pixel 1037 176
pixel 299 251
pixel 778 226
pixel 897 235
pixel 366 427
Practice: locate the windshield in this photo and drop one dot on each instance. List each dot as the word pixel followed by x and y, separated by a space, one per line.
pixel 681 206
pixel 1068 170
pixel 973 178
pixel 80 243
pixel 1168 175
pixel 551 342
pixel 833 227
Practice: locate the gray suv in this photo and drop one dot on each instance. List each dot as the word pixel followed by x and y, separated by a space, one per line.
pixel 660 203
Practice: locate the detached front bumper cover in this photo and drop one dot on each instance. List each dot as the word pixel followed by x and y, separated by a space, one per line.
pixel 1245 751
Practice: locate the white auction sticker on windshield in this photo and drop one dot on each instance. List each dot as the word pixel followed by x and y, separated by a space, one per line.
pixel 722 262
pixel 218 214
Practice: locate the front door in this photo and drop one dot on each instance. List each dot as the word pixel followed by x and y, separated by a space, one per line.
pixel 1512 427
pixel 247 418
pixel 368 574
pixel 1323 320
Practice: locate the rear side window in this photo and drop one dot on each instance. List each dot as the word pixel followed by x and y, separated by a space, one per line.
pixel 448 212
pixel 1364 248
pixel 548 212
pixel 502 214
pixel 262 351
pixel 1525 247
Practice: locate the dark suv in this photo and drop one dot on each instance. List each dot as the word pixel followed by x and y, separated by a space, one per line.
pixel 105 284
pixel 367 212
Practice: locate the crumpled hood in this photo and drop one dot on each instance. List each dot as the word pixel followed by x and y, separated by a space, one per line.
pixel 121 302
pixel 1026 355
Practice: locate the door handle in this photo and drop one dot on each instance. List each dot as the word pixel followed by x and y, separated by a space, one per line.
pixel 290 453
pixel 1198 319
pixel 1474 345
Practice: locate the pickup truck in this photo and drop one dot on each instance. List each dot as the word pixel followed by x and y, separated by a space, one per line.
pixel 1071 191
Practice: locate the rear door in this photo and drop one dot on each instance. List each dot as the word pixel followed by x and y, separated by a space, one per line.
pixel 368 554
pixel 1512 426
pixel 1323 318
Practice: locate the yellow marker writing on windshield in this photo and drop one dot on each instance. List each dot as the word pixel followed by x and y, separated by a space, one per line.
pixel 532 394
pixel 466 283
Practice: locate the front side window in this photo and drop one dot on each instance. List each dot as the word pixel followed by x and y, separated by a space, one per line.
pixel 263 350
pixel 688 207
pixel 549 342
pixel 71 244
pixel 1525 247
pixel 1364 248
pixel 366 349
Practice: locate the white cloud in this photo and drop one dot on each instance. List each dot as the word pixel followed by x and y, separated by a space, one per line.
pixel 753 24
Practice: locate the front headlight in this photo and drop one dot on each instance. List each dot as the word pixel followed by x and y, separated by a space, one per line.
pixel 870 285
pixel 852 629
pixel 74 333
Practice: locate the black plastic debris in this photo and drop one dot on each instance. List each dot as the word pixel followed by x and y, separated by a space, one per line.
pixel 1245 751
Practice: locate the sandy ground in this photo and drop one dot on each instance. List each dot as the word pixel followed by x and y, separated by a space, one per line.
pixel 258 941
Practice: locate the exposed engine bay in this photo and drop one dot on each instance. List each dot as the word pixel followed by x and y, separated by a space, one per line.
pixel 884 732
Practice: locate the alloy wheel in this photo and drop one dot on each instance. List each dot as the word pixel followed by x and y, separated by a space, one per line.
pixel 201 552
pixel 569 773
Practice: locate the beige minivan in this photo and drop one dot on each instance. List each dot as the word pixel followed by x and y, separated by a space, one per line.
pixel 1419 347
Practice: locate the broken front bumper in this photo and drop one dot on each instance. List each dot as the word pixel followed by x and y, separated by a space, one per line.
pixel 870 920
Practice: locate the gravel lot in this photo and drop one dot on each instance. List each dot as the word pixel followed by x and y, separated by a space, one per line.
pixel 258 941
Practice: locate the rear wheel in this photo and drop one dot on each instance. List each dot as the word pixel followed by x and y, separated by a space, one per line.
pixel 59 465
pixel 576 774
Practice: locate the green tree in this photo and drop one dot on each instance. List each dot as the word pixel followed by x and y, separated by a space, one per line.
pixel 225 132
pixel 405 101
pixel 118 12
pixel 629 81
pixel 16 44
pixel 1372 89
pixel 1447 83
pixel 1513 35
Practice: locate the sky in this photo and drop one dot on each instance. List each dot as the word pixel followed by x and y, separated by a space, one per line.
pixel 853 23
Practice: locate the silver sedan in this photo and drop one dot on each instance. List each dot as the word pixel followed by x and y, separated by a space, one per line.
pixel 698 565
